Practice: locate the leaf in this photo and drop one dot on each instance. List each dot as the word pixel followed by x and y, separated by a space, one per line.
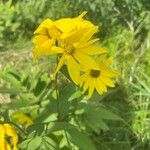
pixel 106 114
pixel 50 143
pixel 39 87
pixel 16 104
pixel 50 108
pixel 58 126
pixel 75 95
pixel 94 121
pixel 34 143
pixel 64 104
pixel 24 144
pixel 10 79
pixel 38 129
pixel 67 92
pixel 9 90
pixel 80 139
pixel 64 71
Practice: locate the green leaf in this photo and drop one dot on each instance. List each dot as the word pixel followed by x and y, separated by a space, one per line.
pixel 9 90
pixel 64 104
pixel 24 144
pixel 106 114
pixel 35 143
pixel 39 87
pixel 75 95
pixel 58 126
pixel 10 79
pixel 64 71
pixel 16 104
pixel 80 139
pixel 67 92
pixel 50 143
pixel 38 129
pixel 49 109
pixel 94 121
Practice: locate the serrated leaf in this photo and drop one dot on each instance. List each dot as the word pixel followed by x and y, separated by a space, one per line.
pixel 80 139
pixel 95 122
pixel 106 114
pixel 58 126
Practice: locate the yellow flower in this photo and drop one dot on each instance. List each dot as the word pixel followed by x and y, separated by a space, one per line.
pixel 6 130
pixel 22 119
pixel 76 45
pixel 45 37
pixel 72 38
pixel 100 78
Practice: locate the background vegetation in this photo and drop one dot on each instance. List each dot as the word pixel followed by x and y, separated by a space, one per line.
pixel 124 31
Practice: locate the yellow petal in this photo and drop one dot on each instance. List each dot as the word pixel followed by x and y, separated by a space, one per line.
pixel 72 37
pixel 7 146
pixel 40 39
pixel 56 50
pixel 98 87
pixel 87 36
pixel 65 25
pixel 60 64
pixel 109 61
pixel 79 45
pixel 73 69
pixel 42 29
pixel 91 87
pixel 102 85
pixel 86 60
pixel 107 81
pixel 86 84
pixel 2 137
pixel 9 130
pixel 93 50
pixel 54 32
pixel 82 15
pixel 39 51
pixel 110 73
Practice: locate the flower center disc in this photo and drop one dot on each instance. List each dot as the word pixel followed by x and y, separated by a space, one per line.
pixel 70 49
pixel 95 73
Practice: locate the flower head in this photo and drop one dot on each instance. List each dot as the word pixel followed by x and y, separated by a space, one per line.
pixel 77 45
pixel 6 130
pixel 98 79
pixel 72 39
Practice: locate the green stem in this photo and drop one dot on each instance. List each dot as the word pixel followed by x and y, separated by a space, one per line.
pixel 57 94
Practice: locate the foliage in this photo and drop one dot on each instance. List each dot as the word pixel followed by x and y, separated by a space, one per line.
pixel 69 117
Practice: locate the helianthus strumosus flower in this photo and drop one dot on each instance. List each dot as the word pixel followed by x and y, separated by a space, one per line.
pixel 22 119
pixel 6 130
pixel 72 39
pixel 77 45
pixel 98 79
